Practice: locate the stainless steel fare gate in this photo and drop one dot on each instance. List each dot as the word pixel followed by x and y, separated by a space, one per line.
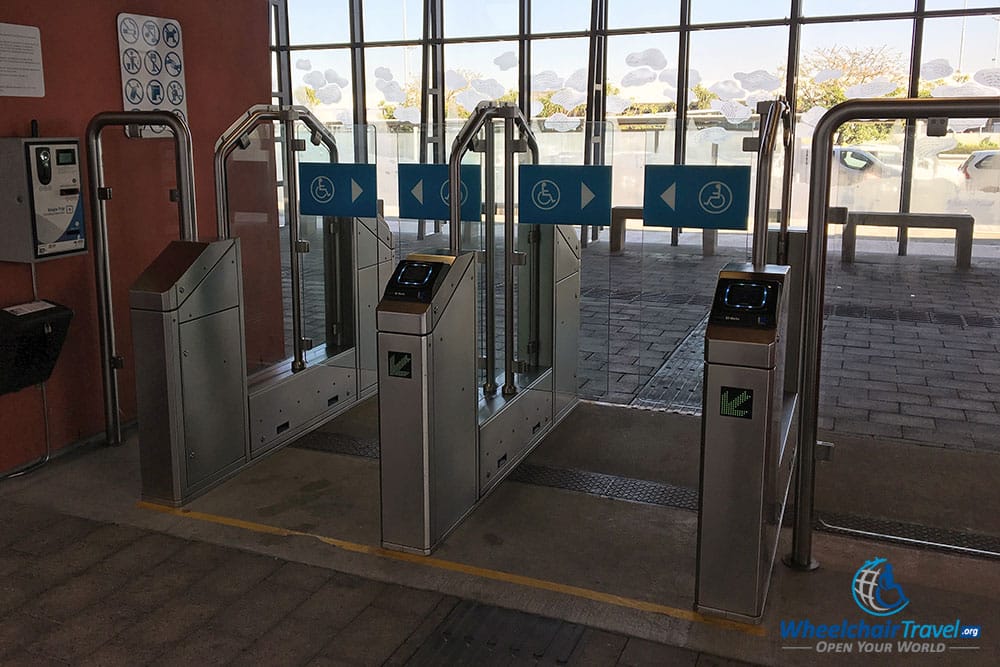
pixel 450 425
pixel 748 406
pixel 202 415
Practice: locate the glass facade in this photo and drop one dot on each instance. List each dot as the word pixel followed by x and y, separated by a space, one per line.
pixel 630 83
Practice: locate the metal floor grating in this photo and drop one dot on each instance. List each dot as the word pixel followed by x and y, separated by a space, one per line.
pixel 677 384
pixel 607 486
pixel 628 489
pixel 338 443
pixel 909 533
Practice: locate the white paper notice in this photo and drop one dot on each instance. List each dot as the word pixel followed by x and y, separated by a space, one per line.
pixel 21 61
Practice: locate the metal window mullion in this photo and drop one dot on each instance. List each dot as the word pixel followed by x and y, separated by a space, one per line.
pixel 593 135
pixel 279 11
pixel 683 78
pixel 910 127
pixel 426 82
pixel 440 147
pixel 358 84
pixel 524 58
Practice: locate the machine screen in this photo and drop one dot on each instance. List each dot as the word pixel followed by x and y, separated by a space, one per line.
pixel 65 157
pixel 746 295
pixel 415 274
pixel 415 281
pixel 746 302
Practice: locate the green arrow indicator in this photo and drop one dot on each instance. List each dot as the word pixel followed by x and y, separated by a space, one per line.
pixel 736 402
pixel 400 364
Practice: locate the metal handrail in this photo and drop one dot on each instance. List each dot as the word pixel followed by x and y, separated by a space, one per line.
pixel 102 268
pixel 490 187
pixel 237 136
pixel 815 273
pixel 483 116
pixel 777 110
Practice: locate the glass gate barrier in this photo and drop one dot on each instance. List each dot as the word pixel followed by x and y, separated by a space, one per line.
pixel 909 347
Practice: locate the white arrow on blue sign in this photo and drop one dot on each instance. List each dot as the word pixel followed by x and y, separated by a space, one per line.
pixel 343 190
pixel 425 192
pixel 696 196
pixel 564 195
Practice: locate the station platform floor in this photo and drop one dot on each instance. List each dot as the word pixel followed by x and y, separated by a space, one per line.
pixel 282 563
pixel 586 554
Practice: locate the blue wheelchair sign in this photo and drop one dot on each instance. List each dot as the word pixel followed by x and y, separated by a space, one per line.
pixel 425 192
pixel 704 197
pixel 347 190
pixel 564 195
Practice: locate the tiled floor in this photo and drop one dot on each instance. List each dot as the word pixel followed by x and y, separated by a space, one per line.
pixel 80 592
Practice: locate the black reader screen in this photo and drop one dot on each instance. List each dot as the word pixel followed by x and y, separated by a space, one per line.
pixel 746 295
pixel 746 302
pixel 65 156
pixel 415 274
pixel 415 281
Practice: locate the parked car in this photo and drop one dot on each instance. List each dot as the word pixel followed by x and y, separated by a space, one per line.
pixel 856 163
pixel 982 170
pixel 862 181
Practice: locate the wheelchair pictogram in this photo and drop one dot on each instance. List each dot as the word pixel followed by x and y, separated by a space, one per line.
pixel 715 197
pixel 446 193
pixel 545 194
pixel 322 189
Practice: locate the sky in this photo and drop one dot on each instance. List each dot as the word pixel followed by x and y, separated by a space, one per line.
pixel 970 43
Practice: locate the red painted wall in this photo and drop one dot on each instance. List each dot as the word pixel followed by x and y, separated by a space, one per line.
pixel 227 69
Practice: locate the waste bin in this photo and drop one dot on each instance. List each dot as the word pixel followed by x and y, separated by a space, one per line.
pixel 31 337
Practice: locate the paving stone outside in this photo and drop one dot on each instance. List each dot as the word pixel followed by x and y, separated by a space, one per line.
pixel 913 326
pixel 910 344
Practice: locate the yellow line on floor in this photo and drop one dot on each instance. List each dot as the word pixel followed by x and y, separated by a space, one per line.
pixel 472 570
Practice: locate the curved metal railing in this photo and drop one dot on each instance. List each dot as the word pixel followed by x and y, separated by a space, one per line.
pixel 102 267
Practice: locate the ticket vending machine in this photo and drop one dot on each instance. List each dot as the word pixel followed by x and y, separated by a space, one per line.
pixel 427 399
pixel 40 192
pixel 746 452
pixel 41 218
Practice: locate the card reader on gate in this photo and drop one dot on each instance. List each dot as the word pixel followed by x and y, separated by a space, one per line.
pixel 746 302
pixel 416 280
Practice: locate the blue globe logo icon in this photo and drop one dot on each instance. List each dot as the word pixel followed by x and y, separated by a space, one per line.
pixel 875 589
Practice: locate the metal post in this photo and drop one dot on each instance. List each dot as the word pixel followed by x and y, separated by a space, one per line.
pixel 815 273
pixel 292 216
pixel 102 268
pixel 481 115
pixel 489 157
pixel 770 123
pixel 105 311
pixel 510 256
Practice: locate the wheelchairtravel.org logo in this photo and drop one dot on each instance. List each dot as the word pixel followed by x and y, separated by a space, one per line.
pixel 877 593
